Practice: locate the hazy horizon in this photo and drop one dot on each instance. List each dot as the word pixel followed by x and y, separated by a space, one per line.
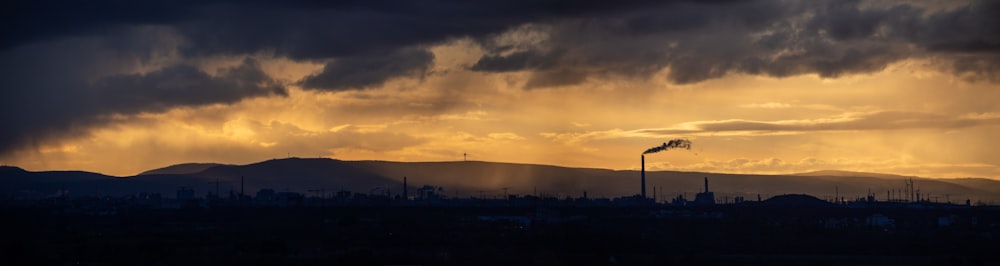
pixel 860 173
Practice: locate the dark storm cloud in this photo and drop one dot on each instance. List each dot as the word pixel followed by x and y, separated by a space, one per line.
pixel 63 61
pixel 517 61
pixel 697 40
pixel 298 29
pixel 181 85
pixel 37 108
pixel 359 72
pixel 56 80
pixel 705 41
pixel 60 58
pixel 30 21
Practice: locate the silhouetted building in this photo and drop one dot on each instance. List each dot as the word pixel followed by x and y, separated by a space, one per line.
pixel 428 192
pixel 706 198
pixel 738 200
pixel 679 201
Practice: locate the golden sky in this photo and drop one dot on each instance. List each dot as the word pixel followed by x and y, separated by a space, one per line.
pixel 566 91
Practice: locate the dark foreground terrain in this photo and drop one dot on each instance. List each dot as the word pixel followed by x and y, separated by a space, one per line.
pixel 500 235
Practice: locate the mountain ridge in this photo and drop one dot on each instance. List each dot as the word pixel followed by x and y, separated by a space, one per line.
pixel 182 168
pixel 853 173
pixel 474 178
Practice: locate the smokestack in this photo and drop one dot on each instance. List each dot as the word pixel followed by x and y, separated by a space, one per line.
pixel 406 196
pixel 643 176
pixel 672 144
pixel 706 184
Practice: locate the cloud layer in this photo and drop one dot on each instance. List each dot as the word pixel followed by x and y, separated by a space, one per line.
pixel 53 99
pixel 699 41
pixel 71 67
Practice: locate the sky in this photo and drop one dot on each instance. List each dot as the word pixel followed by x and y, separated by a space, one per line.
pixel 767 87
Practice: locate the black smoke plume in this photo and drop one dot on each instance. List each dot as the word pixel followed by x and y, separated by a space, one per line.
pixel 672 144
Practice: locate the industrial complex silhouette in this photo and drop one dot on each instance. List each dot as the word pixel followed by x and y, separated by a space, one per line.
pixel 357 215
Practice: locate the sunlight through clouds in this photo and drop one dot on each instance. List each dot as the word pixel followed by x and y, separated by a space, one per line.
pixel 814 85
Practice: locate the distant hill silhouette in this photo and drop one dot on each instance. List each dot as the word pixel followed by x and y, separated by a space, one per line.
pixel 18 182
pixel 180 169
pixel 474 178
pixel 851 174
pixel 301 175
pixel 979 183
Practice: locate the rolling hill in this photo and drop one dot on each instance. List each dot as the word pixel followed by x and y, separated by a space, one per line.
pixel 180 169
pixel 474 178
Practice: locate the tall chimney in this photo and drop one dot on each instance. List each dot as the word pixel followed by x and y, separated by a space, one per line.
pixel 706 184
pixel 405 195
pixel 643 176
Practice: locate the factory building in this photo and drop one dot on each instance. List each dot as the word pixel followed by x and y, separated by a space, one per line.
pixel 706 198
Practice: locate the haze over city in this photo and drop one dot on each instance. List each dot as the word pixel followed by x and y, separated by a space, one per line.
pixel 760 87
